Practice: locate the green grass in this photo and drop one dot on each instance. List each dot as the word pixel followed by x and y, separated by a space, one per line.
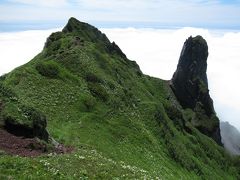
pixel 122 124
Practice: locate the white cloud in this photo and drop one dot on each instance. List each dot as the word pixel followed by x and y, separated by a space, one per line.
pixel 48 3
pixel 20 47
pixel 157 52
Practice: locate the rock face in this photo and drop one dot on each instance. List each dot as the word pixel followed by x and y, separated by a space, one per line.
pixel 190 85
pixel 189 82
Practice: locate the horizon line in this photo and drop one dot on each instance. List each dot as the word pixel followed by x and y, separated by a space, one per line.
pixel 14 26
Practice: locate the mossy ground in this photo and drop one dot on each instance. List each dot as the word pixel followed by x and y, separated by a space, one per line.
pixel 123 124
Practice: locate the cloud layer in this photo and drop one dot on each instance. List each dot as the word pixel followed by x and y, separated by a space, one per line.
pixel 157 52
pixel 20 47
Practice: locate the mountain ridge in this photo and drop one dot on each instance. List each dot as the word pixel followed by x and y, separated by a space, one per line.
pixel 121 122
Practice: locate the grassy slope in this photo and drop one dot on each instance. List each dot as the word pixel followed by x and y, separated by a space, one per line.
pixel 121 122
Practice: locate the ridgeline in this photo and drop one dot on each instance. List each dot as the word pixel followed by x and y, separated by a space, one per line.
pixel 82 91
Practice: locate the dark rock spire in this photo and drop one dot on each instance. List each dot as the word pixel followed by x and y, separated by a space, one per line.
pixel 189 82
pixel 190 85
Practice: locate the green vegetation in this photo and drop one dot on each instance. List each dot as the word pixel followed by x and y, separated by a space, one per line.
pixel 16 117
pixel 122 124
pixel 48 69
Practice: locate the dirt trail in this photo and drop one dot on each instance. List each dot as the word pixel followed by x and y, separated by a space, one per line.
pixel 27 147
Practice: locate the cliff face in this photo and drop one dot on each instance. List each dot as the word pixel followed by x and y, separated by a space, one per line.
pixel 190 85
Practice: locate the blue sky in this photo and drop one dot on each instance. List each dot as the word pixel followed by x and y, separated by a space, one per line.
pixel 149 13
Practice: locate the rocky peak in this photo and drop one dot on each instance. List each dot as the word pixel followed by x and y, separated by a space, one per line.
pixel 190 85
pixel 189 81
pixel 74 25
pixel 85 31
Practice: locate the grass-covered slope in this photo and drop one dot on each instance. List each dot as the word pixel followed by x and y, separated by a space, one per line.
pixel 121 122
pixel 19 118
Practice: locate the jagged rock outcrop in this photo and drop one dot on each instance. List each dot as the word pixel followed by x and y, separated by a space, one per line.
pixel 190 85
pixel 85 31
pixel 91 33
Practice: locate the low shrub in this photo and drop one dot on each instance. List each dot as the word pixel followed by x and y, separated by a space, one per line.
pixel 89 102
pixel 6 92
pixel 173 112
pixel 48 69
pixel 98 91
pixel 53 43
pixel 90 77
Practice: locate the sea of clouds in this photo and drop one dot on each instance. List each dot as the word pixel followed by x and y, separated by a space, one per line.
pixel 157 52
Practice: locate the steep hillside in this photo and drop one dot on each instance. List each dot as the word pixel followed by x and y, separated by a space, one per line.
pixel 120 122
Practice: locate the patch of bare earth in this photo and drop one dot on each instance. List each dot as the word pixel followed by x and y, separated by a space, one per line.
pixel 27 147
